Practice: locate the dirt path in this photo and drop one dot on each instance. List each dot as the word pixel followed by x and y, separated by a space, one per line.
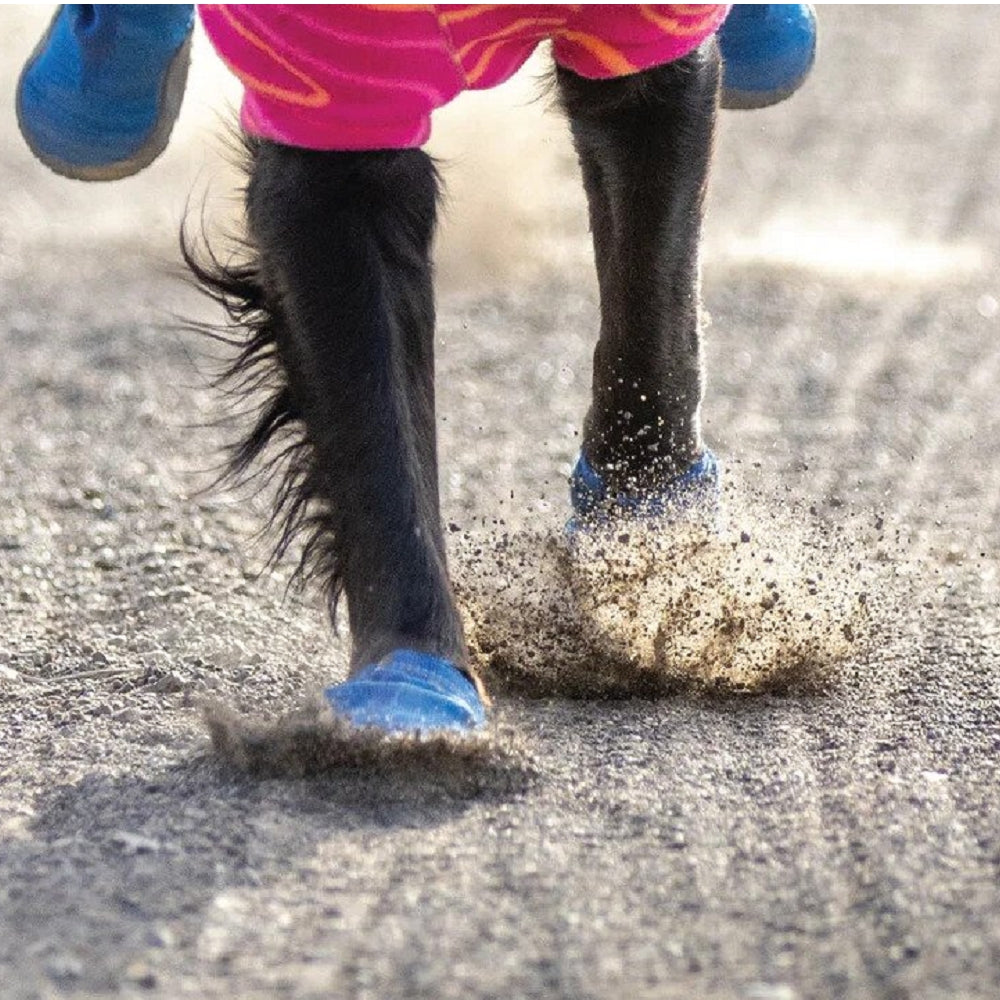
pixel 772 846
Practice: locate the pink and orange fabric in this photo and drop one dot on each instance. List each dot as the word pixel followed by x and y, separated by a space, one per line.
pixel 369 76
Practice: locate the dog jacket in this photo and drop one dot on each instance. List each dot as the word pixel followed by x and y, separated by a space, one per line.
pixel 368 76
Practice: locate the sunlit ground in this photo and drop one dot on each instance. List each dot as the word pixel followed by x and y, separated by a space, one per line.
pixel 844 247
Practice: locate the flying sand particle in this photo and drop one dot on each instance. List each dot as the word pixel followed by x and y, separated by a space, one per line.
pixel 778 602
pixel 646 610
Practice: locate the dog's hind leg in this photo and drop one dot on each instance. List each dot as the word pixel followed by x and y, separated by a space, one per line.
pixel 645 142
pixel 344 242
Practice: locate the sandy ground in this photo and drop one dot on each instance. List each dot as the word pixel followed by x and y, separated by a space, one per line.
pixel 774 841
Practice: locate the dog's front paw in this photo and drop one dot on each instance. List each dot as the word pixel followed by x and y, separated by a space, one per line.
pixel 693 496
pixel 409 693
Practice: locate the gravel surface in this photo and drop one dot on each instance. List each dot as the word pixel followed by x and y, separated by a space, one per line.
pixel 725 839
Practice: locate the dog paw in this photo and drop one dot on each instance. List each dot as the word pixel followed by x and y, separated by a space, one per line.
pixel 692 497
pixel 409 693
pixel 768 51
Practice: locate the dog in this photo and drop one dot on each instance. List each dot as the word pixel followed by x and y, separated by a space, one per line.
pixel 336 305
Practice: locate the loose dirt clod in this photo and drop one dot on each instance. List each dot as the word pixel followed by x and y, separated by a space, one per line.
pixel 311 742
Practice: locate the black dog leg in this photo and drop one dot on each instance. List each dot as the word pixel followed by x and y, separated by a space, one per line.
pixel 644 143
pixel 345 317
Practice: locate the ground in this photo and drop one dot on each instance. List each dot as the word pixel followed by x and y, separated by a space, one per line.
pixel 775 843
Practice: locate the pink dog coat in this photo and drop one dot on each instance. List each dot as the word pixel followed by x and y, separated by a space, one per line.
pixel 368 76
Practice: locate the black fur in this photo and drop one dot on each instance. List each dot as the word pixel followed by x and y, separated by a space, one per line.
pixel 334 299
pixel 645 143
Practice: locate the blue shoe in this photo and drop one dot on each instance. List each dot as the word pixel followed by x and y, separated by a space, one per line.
pixel 767 51
pixel 409 694
pixel 693 495
pixel 99 96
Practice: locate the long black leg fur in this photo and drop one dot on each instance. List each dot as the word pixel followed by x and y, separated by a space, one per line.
pixel 644 144
pixel 339 303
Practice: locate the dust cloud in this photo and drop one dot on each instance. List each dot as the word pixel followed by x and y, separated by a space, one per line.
pixel 310 743
pixel 773 602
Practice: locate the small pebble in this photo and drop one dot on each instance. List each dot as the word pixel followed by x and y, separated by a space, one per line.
pixel 769 991
pixel 140 973
pixel 63 968
pixel 135 843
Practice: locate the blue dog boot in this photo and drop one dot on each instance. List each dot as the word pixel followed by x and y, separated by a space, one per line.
pixel 767 51
pixel 409 694
pixel 98 97
pixel 691 496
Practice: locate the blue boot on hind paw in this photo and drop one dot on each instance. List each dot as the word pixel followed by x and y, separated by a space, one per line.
pixel 768 50
pixel 691 496
pixel 98 97
pixel 409 694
